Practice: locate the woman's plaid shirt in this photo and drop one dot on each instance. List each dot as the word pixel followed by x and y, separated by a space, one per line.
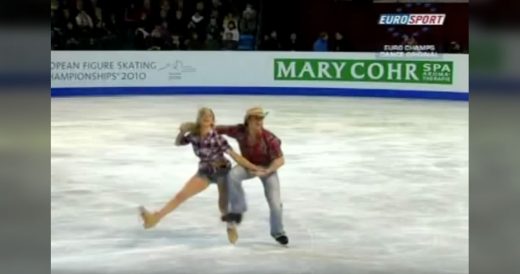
pixel 210 149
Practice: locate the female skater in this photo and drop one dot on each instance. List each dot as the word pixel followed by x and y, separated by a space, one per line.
pixel 213 166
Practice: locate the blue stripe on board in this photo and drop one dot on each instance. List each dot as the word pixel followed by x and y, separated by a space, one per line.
pixel 307 91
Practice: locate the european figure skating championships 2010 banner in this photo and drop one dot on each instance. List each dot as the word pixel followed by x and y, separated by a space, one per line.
pixel 89 69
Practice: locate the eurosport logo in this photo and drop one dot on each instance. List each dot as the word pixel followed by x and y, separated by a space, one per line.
pixel 413 19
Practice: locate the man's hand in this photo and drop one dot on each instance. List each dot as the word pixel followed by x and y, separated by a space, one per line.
pixel 257 168
pixel 258 171
pixel 261 173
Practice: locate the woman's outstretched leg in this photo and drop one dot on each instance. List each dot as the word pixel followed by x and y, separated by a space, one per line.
pixel 195 185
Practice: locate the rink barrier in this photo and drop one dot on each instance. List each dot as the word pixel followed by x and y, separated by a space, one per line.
pixel 358 74
pixel 285 91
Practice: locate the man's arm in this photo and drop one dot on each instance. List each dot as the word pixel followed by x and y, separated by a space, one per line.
pixel 243 161
pixel 226 148
pixel 277 158
pixel 231 131
pixel 275 165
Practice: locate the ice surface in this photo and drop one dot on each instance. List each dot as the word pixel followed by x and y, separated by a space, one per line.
pixel 369 186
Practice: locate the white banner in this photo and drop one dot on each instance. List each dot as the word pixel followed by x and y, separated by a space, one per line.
pixel 447 72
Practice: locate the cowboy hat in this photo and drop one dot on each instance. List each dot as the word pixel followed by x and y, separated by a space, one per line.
pixel 256 111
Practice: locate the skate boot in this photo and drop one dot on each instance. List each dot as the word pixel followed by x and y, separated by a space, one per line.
pixel 149 219
pixel 283 240
pixel 232 217
pixel 232 233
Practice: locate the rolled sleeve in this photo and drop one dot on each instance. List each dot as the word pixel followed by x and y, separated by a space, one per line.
pixel 275 149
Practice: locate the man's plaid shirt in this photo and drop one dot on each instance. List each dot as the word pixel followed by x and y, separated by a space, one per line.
pixel 263 152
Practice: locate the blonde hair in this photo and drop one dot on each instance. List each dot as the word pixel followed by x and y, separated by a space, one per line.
pixel 202 111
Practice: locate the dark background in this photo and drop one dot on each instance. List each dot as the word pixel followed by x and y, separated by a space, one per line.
pixel 359 22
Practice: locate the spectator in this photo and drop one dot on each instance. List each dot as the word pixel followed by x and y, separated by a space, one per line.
pixel 272 43
pixel 264 44
pixel 454 47
pixel 71 34
pixel 164 15
pixel 65 19
pixel 194 42
pixel 99 18
pixel 141 38
pixel 339 43
pixel 79 5
pixel 147 8
pixel 216 5
pixel 96 14
pixel 111 25
pixel 215 14
pixel 56 32
pixel 100 33
pixel 213 28
pixel 54 5
pixel 148 21
pixel 232 29
pixel 228 43
pixel 228 18
pixel 248 20
pixel 249 11
pixel 293 44
pixel 197 24
pixel 178 24
pixel 176 42
pixel 322 43
pixel 132 15
pixel 132 19
pixel 84 21
pixel 179 4
pixel 200 7
pixel 113 33
pixel 165 5
pixel 211 43
pixel 160 35
pixel 85 26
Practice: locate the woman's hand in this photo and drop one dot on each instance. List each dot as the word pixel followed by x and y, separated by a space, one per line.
pixel 187 127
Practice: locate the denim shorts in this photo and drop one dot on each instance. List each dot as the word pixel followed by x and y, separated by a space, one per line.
pixel 214 177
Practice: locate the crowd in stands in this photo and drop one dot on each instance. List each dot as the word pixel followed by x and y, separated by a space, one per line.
pixel 182 25
pixel 169 25
pixel 153 24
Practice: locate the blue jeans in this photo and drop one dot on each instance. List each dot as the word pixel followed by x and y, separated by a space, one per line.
pixel 271 185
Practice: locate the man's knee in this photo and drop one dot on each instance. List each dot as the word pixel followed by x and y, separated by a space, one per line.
pixel 273 201
pixel 236 175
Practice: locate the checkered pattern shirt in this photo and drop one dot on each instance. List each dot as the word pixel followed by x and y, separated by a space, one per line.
pixel 263 152
pixel 210 149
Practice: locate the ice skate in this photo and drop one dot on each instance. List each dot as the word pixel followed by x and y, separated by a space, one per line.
pixel 149 219
pixel 232 233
